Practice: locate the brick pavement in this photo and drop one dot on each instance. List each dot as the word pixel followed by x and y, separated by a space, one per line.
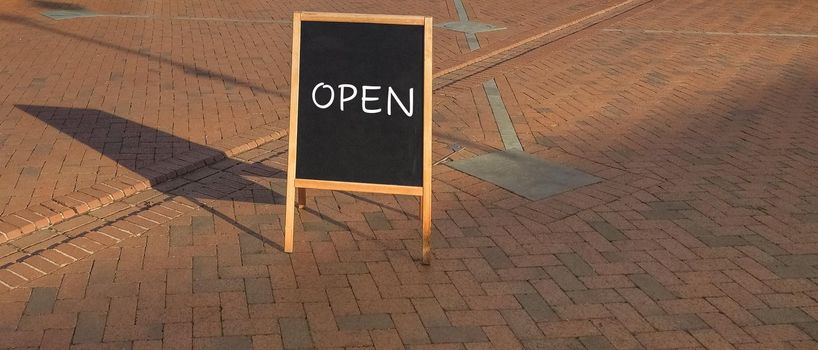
pixel 207 73
pixel 701 235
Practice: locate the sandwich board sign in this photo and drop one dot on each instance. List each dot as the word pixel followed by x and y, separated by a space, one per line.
pixel 361 109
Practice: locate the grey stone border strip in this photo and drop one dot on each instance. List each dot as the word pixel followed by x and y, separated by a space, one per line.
pixel 498 108
pixel 471 38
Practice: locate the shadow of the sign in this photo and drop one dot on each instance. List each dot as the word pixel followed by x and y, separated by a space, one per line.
pixel 123 140
pixel 55 5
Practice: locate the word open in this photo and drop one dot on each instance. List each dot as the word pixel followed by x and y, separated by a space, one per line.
pixel 323 96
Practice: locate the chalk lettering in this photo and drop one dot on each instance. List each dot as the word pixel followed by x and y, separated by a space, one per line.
pixel 331 98
pixel 369 98
pixel 389 102
pixel 343 97
pixel 365 99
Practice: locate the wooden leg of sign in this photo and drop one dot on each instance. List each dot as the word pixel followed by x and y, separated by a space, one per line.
pixel 302 197
pixel 289 209
pixel 289 217
pixel 426 208
pixel 426 222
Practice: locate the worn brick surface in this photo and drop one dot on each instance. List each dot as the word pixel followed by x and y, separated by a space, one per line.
pixel 698 116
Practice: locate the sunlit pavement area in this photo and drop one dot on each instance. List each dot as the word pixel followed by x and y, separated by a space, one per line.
pixel 143 156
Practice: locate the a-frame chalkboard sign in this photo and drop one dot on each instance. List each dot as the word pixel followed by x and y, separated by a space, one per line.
pixel 361 109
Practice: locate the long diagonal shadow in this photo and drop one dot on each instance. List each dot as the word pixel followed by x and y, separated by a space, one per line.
pixel 187 68
pixel 56 5
pixel 122 140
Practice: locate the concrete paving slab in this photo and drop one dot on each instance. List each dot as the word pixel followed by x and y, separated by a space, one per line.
pixel 524 174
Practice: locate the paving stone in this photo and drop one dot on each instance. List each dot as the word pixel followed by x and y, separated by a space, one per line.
pixel 667 340
pixel 204 268
pixel 361 322
pixel 7 249
pixel 795 271
pixel 259 290
pixel 576 264
pixel 295 333
pixel 200 225
pixel 232 342
pixel 723 241
pixel 800 259
pixel 652 287
pixel 596 342
pixel 41 301
pixel 810 328
pixel 565 278
pixel 250 244
pixel 496 257
pixel 608 231
pixel 776 333
pixel 669 205
pixel 218 286
pixel 685 322
pixel 462 334
pixel 33 238
pixel 257 219
pixel 559 343
pixel 781 315
pixel 325 226
pixel 536 307
pixel 377 221
pixel 180 236
pixel 410 328
pixel 90 328
pixel 595 296
pixel 662 214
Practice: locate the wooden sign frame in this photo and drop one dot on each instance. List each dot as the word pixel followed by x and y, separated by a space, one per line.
pixel 296 188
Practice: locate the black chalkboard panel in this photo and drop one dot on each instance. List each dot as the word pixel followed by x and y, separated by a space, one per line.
pixel 340 65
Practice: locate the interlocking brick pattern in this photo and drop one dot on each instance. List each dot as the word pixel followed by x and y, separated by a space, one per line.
pixel 701 234
pixel 203 72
